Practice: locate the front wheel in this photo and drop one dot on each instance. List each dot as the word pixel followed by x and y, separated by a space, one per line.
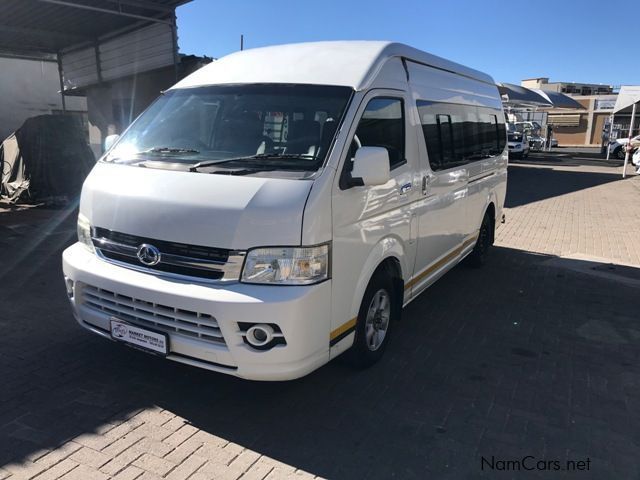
pixel 378 312
pixel 620 153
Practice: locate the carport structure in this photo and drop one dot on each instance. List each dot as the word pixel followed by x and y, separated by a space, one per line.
pixel 119 54
pixel 91 38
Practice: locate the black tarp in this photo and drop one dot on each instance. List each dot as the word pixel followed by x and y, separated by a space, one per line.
pixel 45 160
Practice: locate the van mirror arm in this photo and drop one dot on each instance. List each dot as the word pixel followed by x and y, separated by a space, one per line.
pixel 347 181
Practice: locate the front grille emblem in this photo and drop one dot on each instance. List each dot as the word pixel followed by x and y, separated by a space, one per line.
pixel 148 255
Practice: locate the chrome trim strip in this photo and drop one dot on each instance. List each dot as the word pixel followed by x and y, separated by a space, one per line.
pixel 190 261
pixel 116 247
pixel 230 269
pixel 170 275
pixel 481 177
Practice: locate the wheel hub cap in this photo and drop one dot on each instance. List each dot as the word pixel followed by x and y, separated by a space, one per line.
pixel 377 322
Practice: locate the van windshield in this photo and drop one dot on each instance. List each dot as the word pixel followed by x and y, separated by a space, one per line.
pixel 246 127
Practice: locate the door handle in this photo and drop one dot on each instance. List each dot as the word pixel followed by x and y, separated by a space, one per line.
pixel 426 181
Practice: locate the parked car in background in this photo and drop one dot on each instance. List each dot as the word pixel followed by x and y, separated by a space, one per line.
pixel 531 128
pixel 536 143
pixel 616 147
pixel 518 144
pixel 211 235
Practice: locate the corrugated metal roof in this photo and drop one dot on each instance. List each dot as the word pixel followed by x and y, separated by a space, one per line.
pixel 50 26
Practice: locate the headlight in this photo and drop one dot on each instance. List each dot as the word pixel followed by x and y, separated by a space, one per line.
pixel 287 265
pixel 84 233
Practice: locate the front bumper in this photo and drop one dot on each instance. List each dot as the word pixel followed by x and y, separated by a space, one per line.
pixel 300 312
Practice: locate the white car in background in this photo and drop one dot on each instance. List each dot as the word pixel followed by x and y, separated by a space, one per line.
pixel 616 147
pixel 518 144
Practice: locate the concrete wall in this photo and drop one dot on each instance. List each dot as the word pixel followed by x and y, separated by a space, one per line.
pixel 599 120
pixel 29 88
pixel 571 136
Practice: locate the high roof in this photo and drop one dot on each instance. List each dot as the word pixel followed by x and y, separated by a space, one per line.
pixel 346 63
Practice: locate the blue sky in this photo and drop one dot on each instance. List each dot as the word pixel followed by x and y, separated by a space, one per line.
pixel 565 40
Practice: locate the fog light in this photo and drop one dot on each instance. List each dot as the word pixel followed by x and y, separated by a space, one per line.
pixel 259 335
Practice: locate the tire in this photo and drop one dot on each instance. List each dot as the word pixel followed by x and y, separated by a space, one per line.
pixel 378 312
pixel 525 155
pixel 620 153
pixel 478 256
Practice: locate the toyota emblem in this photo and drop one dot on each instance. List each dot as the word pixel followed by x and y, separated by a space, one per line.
pixel 148 255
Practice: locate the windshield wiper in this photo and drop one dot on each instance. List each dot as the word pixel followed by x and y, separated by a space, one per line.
pixel 171 150
pixel 259 156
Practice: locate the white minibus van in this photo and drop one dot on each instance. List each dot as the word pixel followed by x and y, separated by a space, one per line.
pixel 280 206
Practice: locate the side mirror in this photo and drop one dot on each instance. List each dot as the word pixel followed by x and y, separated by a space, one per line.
pixel 109 141
pixel 370 167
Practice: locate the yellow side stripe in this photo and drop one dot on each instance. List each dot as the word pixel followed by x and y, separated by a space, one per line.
pixel 352 323
pixel 440 263
pixel 343 328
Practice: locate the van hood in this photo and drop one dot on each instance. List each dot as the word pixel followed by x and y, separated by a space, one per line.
pixel 204 209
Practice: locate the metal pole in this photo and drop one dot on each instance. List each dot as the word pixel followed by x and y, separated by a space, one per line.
pixel 174 41
pixel 628 154
pixel 610 135
pixel 241 42
pixel 60 77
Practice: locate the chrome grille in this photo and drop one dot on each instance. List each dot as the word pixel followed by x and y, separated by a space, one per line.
pixel 152 315
pixel 176 259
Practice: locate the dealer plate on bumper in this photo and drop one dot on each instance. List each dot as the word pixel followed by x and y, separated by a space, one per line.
pixel 148 340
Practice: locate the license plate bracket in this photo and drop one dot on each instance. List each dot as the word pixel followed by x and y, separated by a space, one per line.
pixel 150 341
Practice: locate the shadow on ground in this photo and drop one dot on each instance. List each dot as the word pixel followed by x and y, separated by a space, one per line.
pixel 519 358
pixel 528 184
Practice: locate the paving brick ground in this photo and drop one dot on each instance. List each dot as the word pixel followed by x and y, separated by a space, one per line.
pixel 536 354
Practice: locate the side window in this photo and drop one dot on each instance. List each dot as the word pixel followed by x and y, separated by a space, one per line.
pixel 502 135
pixel 431 125
pixel 445 131
pixel 382 125
pixel 458 134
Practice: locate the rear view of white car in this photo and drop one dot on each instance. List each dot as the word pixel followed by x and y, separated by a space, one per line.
pixel 518 144
pixel 280 206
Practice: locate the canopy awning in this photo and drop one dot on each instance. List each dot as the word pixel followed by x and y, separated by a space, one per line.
pixel 629 94
pixel 517 96
pixel 559 100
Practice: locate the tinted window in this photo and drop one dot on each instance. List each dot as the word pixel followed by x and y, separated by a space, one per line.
pixel 226 122
pixel 382 125
pixel 458 134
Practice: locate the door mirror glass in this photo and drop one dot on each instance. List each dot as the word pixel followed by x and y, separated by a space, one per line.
pixel 371 166
pixel 109 141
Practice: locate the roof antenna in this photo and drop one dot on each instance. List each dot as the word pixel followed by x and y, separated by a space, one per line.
pixel 241 42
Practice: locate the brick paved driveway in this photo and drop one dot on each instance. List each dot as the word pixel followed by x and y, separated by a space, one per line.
pixel 537 354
